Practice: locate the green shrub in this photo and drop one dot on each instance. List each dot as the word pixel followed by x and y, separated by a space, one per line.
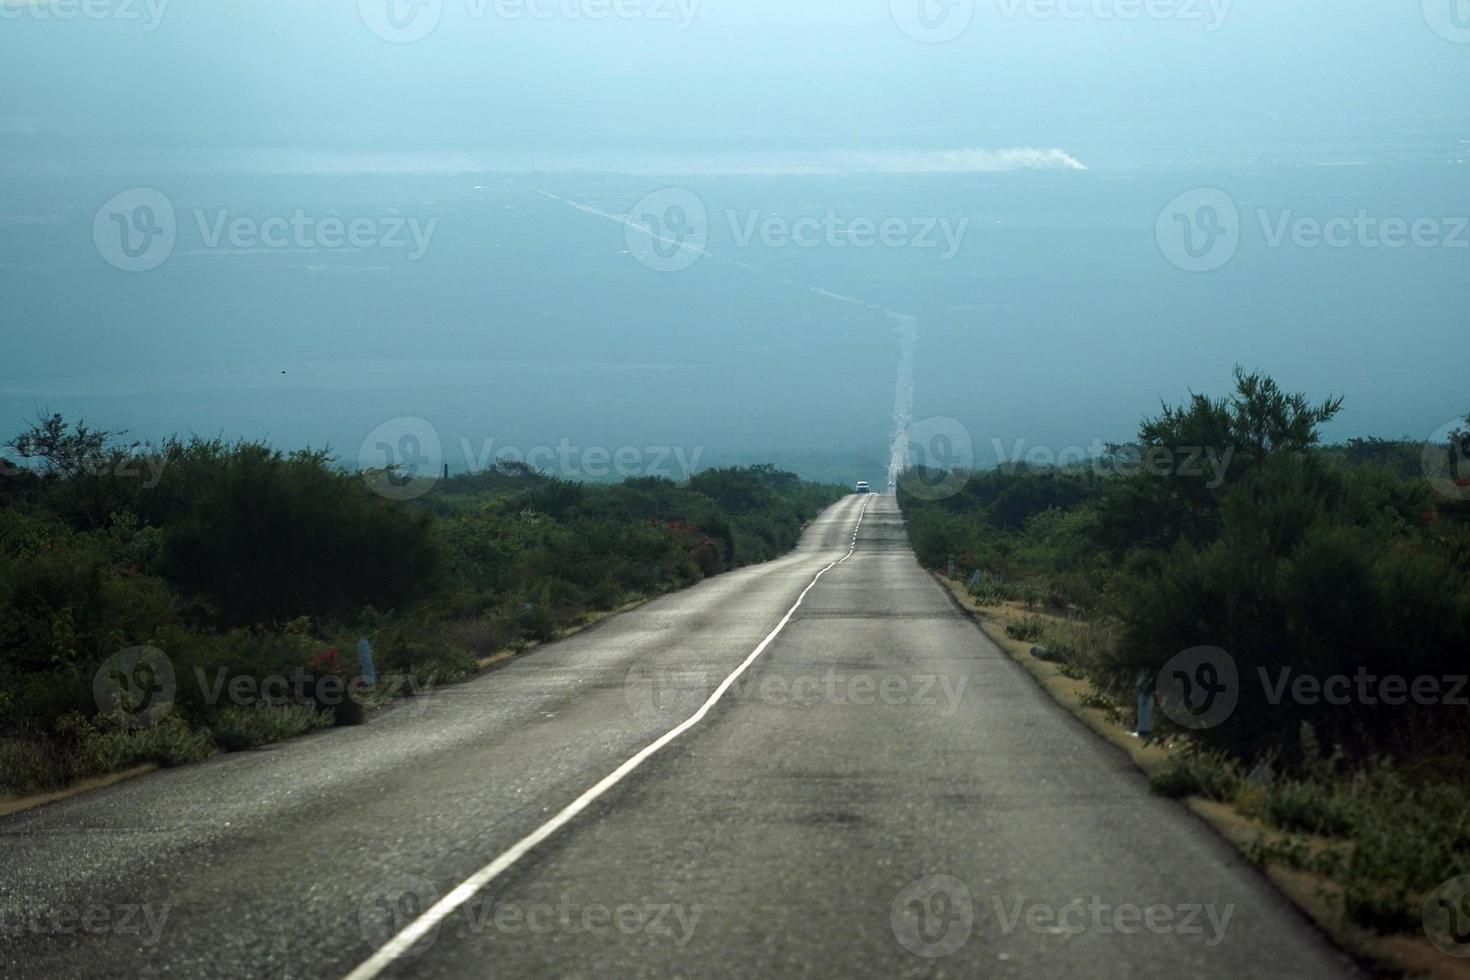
pixel 246 563
pixel 239 728
pixel 480 636
pixel 1198 774
pixel 1308 577
pixel 1311 808
pixel 1027 629
pixel 28 765
pixel 66 605
pixel 422 650
pixel 96 750
pixel 265 537
pixel 1395 838
pixel 990 590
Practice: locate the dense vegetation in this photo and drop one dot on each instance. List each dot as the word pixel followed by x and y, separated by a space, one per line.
pixel 240 563
pixel 1299 561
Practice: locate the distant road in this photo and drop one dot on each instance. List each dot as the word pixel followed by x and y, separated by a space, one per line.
pixel 883 793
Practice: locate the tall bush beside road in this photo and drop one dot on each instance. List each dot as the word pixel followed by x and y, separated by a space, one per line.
pixel 1293 558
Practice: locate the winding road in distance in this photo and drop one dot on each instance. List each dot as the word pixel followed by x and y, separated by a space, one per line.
pixel 881 792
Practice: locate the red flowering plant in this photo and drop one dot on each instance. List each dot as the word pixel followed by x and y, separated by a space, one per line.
pixel 331 689
pixel 328 661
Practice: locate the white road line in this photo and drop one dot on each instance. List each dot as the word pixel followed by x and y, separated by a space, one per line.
pixel 473 885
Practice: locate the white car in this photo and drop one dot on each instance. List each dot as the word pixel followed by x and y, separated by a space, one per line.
pixel 862 487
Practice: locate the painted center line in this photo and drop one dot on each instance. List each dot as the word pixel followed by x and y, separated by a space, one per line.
pixel 401 943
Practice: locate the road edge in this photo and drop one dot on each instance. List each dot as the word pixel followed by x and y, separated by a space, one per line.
pixel 1381 956
pixel 387 955
pixel 16 803
pixel 12 803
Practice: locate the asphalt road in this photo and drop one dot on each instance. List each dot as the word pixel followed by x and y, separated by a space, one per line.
pixel 881 793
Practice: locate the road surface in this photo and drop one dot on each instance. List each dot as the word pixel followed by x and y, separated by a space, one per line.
pixel 882 793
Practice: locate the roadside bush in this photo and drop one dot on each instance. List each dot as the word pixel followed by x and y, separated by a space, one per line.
pixel 990 590
pixel 541 560
pixel 1308 577
pixel 238 728
pixel 1198 774
pixel 1305 807
pixel 1393 839
pixel 242 563
pixel 96 750
pixel 265 537
pixel 28 765
pixel 66 604
pixel 1027 629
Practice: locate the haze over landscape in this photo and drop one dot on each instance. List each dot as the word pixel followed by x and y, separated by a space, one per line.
pixel 750 488
pixel 1048 144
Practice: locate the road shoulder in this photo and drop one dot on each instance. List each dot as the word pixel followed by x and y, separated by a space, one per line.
pixel 1389 956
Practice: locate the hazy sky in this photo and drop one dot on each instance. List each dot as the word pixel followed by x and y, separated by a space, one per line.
pixel 1055 132
pixel 668 74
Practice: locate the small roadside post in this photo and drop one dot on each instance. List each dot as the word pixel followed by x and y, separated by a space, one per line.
pixel 1145 706
pixel 365 660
